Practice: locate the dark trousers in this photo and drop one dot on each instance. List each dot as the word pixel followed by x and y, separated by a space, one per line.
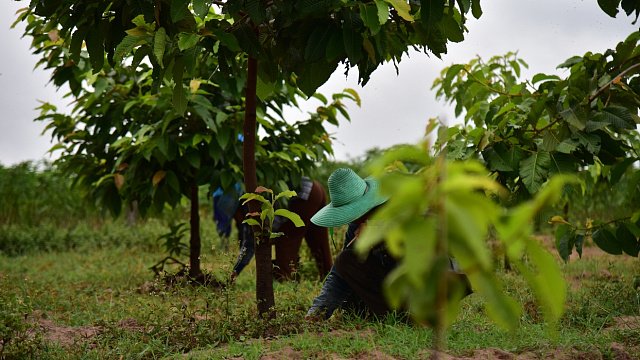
pixel 365 277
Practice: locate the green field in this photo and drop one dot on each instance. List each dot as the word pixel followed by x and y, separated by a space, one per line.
pixel 103 302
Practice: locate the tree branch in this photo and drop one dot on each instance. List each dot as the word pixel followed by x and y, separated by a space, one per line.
pixel 614 80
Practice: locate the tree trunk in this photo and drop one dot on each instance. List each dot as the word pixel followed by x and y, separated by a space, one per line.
pixel 194 243
pixel 264 276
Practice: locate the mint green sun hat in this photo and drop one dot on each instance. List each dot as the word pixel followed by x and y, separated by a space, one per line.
pixel 351 197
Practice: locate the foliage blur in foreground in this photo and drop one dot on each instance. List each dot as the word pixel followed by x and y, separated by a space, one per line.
pixel 447 208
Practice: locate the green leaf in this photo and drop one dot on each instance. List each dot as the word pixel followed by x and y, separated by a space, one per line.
pixel 561 163
pixel 223 137
pixel 251 222
pixel 187 40
pixel 256 10
pixel 627 240
pixel 452 29
pixel 609 6
pixel 75 48
pixel 619 117
pixel 383 11
pixel 607 242
pixel 227 39
pixel 498 158
pixel 547 282
pixel 264 89
pixel 564 241
pixel 179 10
pixel 570 117
pixel 95 47
pixel 402 7
pixel 464 5
pixel 369 15
pixel 570 62
pixel 619 169
pixel 252 196
pixel 159 44
pixel 432 10
pixel 315 75
pixel 125 46
pixel 201 7
pixel 295 218
pixel 476 10
pixel 335 47
pixel 590 141
pixel 352 41
pixel 179 93
pixel 317 43
pixel 534 170
pixel 544 77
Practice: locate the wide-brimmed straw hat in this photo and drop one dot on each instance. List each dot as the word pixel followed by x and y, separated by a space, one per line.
pixel 351 197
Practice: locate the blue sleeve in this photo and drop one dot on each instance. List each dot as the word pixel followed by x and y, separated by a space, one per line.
pixel 246 248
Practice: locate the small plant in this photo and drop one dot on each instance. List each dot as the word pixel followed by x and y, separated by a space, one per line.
pixel 268 213
pixel 174 245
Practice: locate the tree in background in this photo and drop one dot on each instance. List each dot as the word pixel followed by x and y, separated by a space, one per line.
pixel 298 43
pixel 127 141
pixel 528 131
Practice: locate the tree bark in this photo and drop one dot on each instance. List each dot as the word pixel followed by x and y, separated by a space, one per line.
pixel 194 243
pixel 264 277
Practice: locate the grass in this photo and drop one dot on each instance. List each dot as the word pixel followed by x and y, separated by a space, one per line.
pixel 111 288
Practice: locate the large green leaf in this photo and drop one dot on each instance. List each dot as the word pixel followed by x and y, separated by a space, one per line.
pixel 562 163
pixel 127 44
pixel 402 7
pixel 317 42
pixel 498 158
pixel 476 10
pixel 609 6
pixel 159 45
pixel 179 10
pixel 570 117
pixel 187 40
pixel 591 142
pixel 201 7
pixel 607 242
pixel 95 47
pixel 314 75
pixel 565 239
pixel 534 170
pixel 295 218
pixel 619 117
pixel 432 11
pixel 628 241
pixel 369 15
pixel 352 41
pixel 452 29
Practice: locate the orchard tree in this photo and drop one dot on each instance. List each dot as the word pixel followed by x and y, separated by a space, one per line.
pixel 300 43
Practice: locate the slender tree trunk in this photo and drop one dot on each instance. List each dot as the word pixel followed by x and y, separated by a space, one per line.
pixel 264 276
pixel 194 245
